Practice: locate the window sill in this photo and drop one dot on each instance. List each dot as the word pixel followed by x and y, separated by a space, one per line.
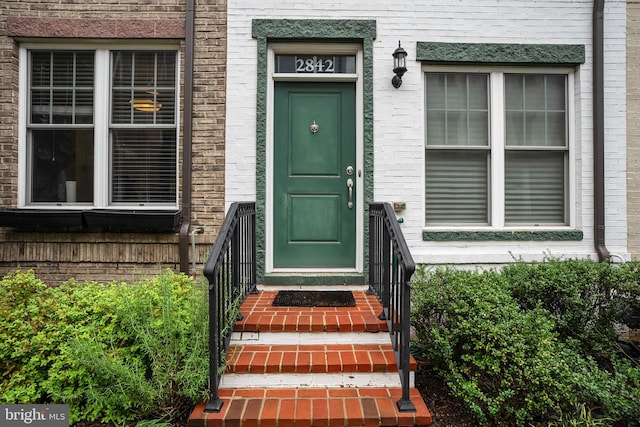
pixel 111 220
pixel 502 235
pixel 39 219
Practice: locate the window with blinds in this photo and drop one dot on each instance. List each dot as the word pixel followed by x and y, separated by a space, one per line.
pixel 143 128
pixel 457 150
pixel 101 127
pixel 529 142
pixel 536 145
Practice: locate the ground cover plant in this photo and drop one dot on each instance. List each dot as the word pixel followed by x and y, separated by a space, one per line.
pixel 532 344
pixel 114 352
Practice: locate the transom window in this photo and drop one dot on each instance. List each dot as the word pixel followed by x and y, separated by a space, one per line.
pixel 497 149
pixel 101 128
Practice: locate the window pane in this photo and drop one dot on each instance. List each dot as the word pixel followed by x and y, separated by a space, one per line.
pixel 456 187
pixel 436 133
pixel 63 69
pixel 40 108
pixel 478 97
pixel 534 92
pixel 435 91
pixel 143 88
pixel 456 91
pixel 61 165
pixel 556 131
pixel 556 93
pixel 535 188
pixel 457 109
pixel 515 128
pixel 40 69
pixel 478 128
pixel 143 166
pixel 514 91
pixel 61 89
pixel 457 128
pixel 534 129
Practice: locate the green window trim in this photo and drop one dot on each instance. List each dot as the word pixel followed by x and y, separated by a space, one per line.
pixel 523 236
pixel 500 53
pixel 311 30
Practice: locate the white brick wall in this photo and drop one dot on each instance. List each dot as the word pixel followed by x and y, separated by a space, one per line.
pixel 399 114
pixel 633 127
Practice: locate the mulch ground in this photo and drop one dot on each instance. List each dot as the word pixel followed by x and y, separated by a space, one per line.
pixel 446 410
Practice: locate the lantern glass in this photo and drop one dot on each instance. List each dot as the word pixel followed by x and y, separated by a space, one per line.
pixel 399 57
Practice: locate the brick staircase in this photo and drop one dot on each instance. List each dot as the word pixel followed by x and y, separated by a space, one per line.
pixel 311 367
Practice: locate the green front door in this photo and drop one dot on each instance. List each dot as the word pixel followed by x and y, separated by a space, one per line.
pixel 314 210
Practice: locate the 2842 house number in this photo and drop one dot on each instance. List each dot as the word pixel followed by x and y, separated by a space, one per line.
pixel 315 64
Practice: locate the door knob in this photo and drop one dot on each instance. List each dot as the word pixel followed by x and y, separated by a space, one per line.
pixel 350 187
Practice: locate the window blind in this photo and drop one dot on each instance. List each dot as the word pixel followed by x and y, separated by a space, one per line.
pixel 456 186
pixel 535 187
pixel 143 166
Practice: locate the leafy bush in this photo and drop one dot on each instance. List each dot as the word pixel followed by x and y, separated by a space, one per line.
pixel 514 345
pixel 23 362
pixel 580 294
pixel 113 352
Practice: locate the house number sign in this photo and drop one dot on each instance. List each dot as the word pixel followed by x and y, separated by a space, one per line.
pixel 316 64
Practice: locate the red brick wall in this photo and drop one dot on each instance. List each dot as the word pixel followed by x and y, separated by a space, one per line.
pixel 106 256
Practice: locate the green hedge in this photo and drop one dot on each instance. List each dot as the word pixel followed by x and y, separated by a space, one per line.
pixel 532 344
pixel 114 352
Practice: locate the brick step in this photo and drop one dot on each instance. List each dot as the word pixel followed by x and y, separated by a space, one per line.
pixel 321 407
pixel 312 358
pixel 311 367
pixel 259 315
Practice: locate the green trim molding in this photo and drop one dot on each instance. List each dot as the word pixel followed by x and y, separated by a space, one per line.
pixel 311 30
pixel 542 235
pixel 500 53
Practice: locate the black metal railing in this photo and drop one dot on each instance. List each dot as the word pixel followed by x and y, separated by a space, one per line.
pixel 390 269
pixel 231 272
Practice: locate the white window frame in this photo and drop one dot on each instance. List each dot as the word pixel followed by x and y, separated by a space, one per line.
pixel 496 181
pixel 101 125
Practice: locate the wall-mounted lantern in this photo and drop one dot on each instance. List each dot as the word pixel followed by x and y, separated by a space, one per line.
pixel 399 66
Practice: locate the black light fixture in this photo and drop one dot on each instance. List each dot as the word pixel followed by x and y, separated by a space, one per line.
pixel 399 66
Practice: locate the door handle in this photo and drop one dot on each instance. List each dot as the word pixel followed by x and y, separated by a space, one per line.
pixel 350 187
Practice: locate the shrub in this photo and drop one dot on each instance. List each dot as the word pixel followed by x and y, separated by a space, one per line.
pixel 585 297
pixel 500 360
pixel 504 341
pixel 114 352
pixel 23 362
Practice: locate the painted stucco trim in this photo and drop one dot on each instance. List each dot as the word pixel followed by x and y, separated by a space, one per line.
pixel 301 29
pixel 500 53
pixel 265 30
pixel 550 235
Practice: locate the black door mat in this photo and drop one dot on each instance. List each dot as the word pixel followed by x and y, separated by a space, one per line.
pixel 314 299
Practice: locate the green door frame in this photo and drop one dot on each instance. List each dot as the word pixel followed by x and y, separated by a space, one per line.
pixel 325 31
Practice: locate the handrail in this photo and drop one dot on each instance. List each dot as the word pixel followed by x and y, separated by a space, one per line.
pixel 390 269
pixel 231 272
